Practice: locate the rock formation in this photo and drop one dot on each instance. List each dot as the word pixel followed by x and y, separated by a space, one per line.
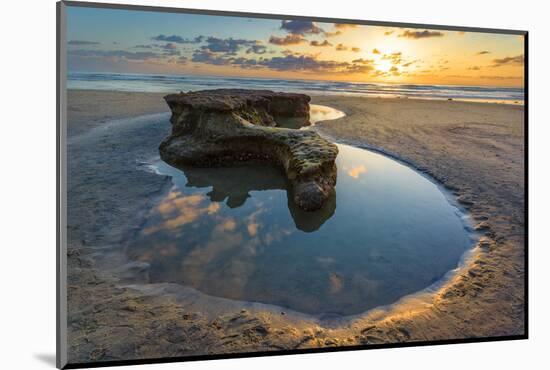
pixel 228 126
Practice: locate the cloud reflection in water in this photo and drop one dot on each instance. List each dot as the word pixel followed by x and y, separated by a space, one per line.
pixel 234 233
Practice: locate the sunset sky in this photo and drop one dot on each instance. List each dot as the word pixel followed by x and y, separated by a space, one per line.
pixel 105 40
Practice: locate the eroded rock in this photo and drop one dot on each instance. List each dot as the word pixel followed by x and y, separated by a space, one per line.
pixel 225 127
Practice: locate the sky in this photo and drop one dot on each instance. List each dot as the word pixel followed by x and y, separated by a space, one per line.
pixel 108 40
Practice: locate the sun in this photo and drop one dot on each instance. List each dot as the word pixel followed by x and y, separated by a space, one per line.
pixel 383 65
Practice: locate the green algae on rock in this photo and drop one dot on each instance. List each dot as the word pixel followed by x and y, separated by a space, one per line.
pixel 229 126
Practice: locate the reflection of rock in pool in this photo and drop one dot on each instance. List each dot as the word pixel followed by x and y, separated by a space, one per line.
pixel 311 221
pixel 234 184
pixel 232 233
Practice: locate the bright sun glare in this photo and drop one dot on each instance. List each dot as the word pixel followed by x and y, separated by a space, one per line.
pixel 383 65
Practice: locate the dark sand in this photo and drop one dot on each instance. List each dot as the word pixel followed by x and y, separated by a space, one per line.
pixel 474 149
pixel 92 108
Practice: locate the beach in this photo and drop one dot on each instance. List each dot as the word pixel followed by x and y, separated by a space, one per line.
pixel 474 150
pixel 90 108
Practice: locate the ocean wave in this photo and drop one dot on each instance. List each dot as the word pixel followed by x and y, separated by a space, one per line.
pixel 170 83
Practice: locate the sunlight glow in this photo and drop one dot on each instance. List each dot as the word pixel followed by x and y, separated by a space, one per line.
pixel 136 42
pixel 383 65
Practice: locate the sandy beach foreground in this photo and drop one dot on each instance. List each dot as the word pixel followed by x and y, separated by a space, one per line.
pixel 476 150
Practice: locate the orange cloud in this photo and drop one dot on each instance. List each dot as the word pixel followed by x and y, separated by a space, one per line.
pixel 320 44
pixel 292 39
pixel 421 34
pixel 341 47
pixel 344 25
pixel 356 171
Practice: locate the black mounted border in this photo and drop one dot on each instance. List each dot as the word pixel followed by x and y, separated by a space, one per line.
pixel 61 178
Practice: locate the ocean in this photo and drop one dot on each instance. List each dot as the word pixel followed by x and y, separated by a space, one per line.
pixel 176 83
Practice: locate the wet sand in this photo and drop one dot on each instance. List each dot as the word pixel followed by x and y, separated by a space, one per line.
pixel 474 149
pixel 91 108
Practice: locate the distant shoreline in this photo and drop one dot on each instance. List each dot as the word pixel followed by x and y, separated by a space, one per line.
pixel 172 83
pixel 480 101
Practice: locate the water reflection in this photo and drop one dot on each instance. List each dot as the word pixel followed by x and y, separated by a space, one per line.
pixel 319 113
pixel 233 186
pixel 356 171
pixel 233 233
pixel 178 210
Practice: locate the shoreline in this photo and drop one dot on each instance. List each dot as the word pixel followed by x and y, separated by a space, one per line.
pixel 347 95
pixel 415 319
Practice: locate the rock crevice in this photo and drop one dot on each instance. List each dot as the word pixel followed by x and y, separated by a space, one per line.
pixel 228 126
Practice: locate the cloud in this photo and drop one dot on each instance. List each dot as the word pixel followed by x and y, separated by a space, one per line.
pixel 339 29
pixel 394 57
pixel 342 26
pixel 408 64
pixel 375 51
pixel 387 33
pixel 394 71
pixel 229 45
pixel 298 27
pixel 474 68
pixel 518 60
pixel 209 57
pixel 311 63
pixel 291 61
pixel 300 63
pixel 257 49
pixel 483 52
pixel 421 34
pixel 169 49
pixel 173 38
pixel 360 66
pixel 291 39
pixel 320 44
pixel 356 68
pixel 341 47
pixel 205 55
pixel 245 63
pixel 169 46
pixel 332 34
pixel 82 42
pixel 120 54
pixel 363 61
pixel 171 52
pixel 182 60
pixel 178 39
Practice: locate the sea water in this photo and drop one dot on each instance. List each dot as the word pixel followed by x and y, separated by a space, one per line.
pixel 185 83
